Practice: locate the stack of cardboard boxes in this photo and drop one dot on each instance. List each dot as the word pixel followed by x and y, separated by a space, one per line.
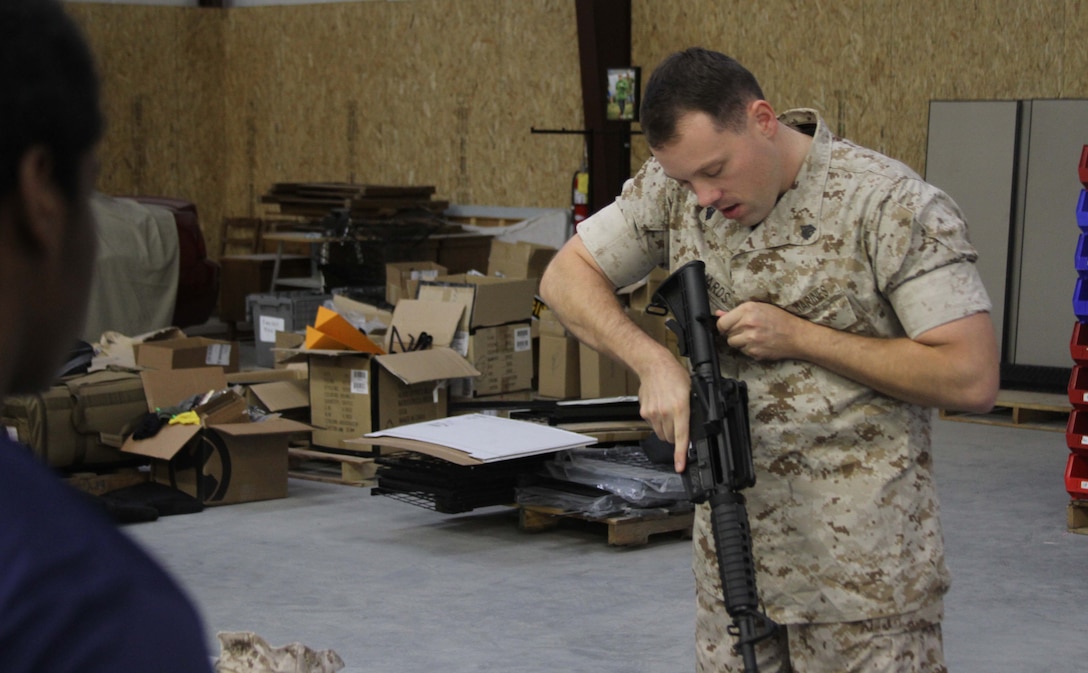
pixel 569 369
pixel 494 332
pixel 86 422
pixel 354 392
pixel 461 337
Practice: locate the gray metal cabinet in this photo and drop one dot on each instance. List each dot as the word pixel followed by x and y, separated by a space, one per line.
pixel 1012 168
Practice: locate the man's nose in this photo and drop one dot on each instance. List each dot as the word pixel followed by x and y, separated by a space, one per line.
pixel 706 194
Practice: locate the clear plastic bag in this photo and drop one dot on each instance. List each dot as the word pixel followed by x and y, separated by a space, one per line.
pixel 623 471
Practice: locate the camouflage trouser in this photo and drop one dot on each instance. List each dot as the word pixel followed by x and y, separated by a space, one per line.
pixel 909 643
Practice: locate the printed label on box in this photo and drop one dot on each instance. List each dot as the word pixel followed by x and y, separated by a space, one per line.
pixel 523 339
pixel 424 274
pixel 269 326
pixel 218 355
pixel 360 382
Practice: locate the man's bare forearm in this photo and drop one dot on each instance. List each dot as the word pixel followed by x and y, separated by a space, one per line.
pixel 584 300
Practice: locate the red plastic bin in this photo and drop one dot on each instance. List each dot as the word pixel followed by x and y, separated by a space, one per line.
pixel 1076 431
pixel 1082 167
pixel 1078 387
pixel 1076 476
pixel 1078 343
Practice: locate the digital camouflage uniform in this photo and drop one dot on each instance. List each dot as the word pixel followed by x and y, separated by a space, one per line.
pixel 844 513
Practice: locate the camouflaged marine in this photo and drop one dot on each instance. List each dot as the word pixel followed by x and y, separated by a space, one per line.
pixel 844 514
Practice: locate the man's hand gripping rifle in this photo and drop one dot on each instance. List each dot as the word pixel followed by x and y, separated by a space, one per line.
pixel 719 458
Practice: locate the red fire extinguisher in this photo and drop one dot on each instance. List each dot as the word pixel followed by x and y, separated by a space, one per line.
pixel 580 195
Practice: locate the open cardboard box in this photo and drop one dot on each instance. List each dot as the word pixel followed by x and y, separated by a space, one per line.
pixel 352 393
pixel 494 334
pixel 227 458
pixel 283 391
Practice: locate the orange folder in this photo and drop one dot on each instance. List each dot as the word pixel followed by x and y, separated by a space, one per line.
pixel 332 332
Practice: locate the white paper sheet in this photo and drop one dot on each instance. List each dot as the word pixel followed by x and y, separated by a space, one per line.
pixel 489 438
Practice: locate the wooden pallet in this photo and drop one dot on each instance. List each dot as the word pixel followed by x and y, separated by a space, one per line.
pixel 1021 409
pixel 623 531
pixel 331 468
pixel 1077 516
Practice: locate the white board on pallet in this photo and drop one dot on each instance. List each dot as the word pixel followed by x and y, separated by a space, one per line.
pixel 477 438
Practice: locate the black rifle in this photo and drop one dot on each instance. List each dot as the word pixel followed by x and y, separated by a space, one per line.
pixel 719 457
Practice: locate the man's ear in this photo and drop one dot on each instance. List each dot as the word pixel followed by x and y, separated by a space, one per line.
pixel 764 117
pixel 42 225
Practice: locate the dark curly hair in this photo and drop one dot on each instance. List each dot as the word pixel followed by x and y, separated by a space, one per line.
pixel 695 80
pixel 49 91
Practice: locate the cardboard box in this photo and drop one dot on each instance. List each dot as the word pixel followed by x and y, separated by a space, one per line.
pixel 289 399
pixel 462 253
pixel 293 372
pixel 518 260
pixel 117 351
pixel 414 318
pixel 548 323
pixel 560 375
pixel 501 405
pixel 188 352
pixel 80 420
pixel 640 293
pixel 353 393
pixel 488 301
pixel 654 325
pixel 600 375
pixel 226 459
pixel 285 341
pixel 402 278
pixel 284 391
pixel 504 357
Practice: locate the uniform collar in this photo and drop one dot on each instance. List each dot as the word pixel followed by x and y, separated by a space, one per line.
pixel 792 221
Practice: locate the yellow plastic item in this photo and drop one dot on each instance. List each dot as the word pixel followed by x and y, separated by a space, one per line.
pixel 186 418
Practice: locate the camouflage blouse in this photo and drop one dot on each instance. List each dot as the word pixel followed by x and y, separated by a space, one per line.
pixel 844 514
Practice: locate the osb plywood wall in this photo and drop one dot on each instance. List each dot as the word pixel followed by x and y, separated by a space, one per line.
pixel 871 67
pixel 216 105
pixel 162 89
pixel 439 92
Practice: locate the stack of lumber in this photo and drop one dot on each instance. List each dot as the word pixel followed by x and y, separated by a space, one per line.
pixel 317 199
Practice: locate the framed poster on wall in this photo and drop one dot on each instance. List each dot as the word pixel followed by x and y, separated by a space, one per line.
pixel 622 97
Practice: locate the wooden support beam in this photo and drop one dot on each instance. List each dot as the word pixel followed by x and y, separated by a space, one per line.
pixel 604 41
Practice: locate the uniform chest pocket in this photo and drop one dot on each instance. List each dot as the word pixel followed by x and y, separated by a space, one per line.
pixel 827 305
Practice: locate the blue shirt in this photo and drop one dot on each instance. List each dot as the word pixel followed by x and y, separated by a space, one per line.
pixel 77 595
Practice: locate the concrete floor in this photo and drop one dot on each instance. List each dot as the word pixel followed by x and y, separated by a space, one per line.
pixel 394 588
